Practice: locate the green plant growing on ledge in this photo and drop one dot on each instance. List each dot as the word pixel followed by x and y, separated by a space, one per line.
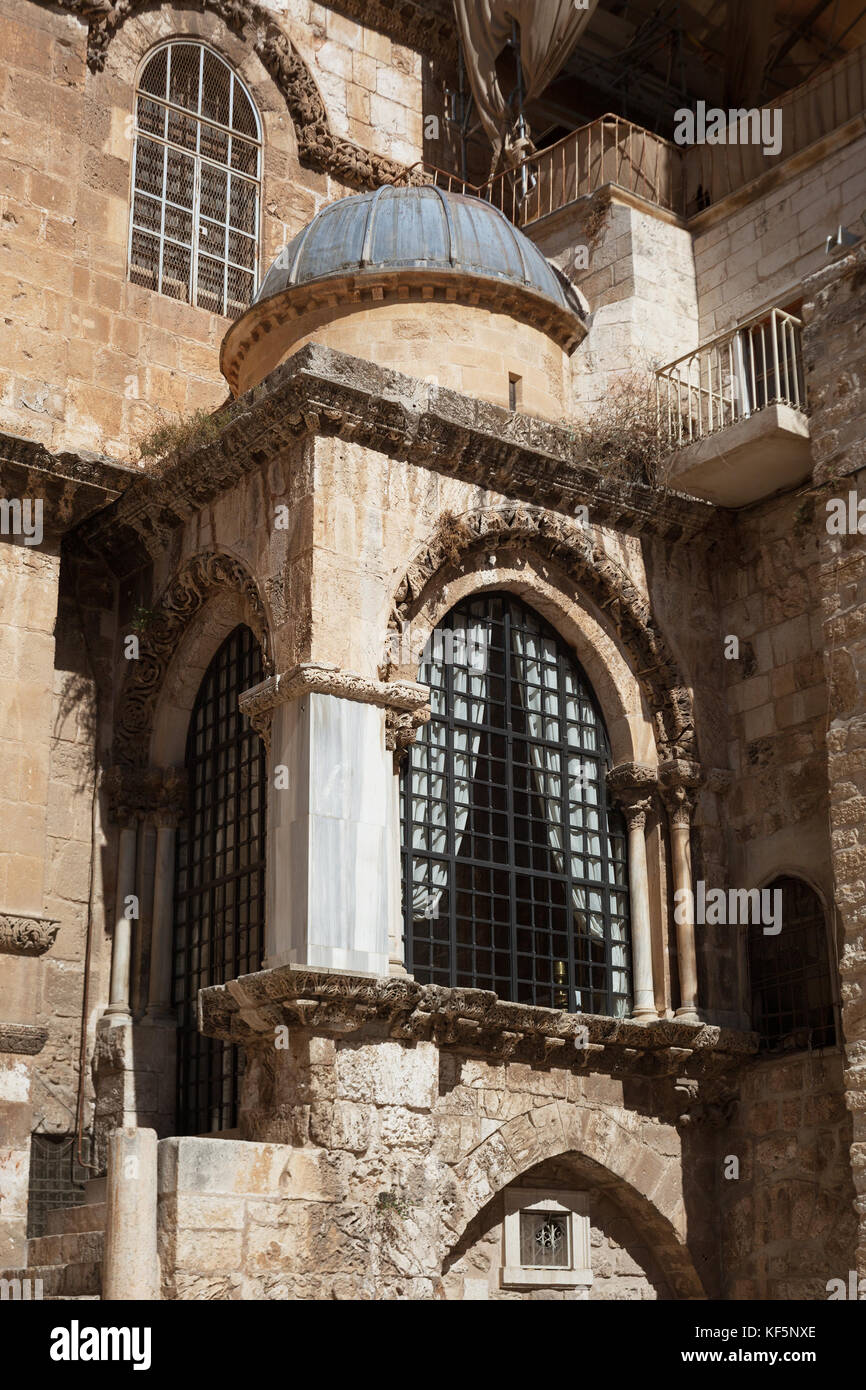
pixel 170 439
pixel 142 618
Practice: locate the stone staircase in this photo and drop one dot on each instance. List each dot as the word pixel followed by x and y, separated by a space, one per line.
pixel 68 1258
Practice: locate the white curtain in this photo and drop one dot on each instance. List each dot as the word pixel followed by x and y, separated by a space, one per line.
pixel 464 649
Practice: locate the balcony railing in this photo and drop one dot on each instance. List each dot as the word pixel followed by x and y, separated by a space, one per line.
pixel 732 377
pixel 608 150
pixel 681 179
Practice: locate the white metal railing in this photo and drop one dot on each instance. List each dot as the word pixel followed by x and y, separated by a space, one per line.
pixel 757 364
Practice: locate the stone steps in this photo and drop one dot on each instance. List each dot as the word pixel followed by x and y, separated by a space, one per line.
pixel 68 1257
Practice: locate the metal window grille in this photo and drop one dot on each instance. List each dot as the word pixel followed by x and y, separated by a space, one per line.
pixel 56 1179
pixel 220 879
pixel 194 228
pixel 515 875
pixel 792 991
pixel 544 1240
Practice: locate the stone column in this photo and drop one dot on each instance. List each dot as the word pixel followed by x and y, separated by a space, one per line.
pixel 631 785
pixel 159 994
pixel 130 1268
pixel 332 871
pixel 678 781
pixel 121 954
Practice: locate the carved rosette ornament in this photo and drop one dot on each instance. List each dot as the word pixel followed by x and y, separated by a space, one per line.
pixel 27 935
pixel 201 578
pixel 318 146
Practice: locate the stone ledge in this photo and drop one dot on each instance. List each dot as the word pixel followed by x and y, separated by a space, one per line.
pixel 323 393
pixel 25 1039
pixel 247 1011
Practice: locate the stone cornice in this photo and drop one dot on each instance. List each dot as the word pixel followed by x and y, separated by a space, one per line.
pixel 26 934
pixel 248 1010
pixel 26 1039
pixel 71 486
pixel 406 700
pixel 323 393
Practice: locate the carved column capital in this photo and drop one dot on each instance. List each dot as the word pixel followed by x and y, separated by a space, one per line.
pixel 146 793
pixel 679 780
pixel 632 786
pixel 406 703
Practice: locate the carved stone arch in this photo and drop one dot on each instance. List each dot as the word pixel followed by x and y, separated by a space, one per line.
pixel 648 1186
pixel 204 576
pixel 521 527
pixel 318 146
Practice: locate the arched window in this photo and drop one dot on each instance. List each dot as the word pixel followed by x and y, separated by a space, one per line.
pixel 194 229
pixel 792 991
pixel 220 878
pixel 515 876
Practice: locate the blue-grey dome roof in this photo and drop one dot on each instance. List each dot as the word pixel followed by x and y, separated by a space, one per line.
pixel 416 228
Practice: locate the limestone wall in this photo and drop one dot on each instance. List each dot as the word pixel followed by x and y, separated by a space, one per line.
pixel 374 1167
pixel 639 283
pixel 88 359
pixel 788 1222
pixel 757 254
pixel 833 352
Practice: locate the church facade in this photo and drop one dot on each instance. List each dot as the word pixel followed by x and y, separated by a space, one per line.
pixel 432 830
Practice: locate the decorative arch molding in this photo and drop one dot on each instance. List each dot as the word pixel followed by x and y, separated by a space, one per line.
pixel 203 577
pixel 318 146
pixel 647 1186
pixel 520 526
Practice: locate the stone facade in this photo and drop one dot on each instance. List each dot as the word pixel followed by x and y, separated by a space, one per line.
pixel 370 470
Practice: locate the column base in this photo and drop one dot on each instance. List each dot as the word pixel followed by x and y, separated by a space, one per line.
pixel 687 1015
pixel 644 1016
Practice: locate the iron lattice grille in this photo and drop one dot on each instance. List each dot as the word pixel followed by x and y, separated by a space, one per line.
pixel 56 1179
pixel 792 992
pixel 220 878
pixel 515 875
pixel 194 229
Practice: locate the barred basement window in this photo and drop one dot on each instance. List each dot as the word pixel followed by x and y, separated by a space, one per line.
pixel 56 1179
pixel 515 875
pixel 546 1239
pixel 792 992
pixel 220 879
pixel 194 229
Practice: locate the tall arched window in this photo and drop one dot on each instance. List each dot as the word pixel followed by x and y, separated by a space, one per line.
pixel 792 990
pixel 515 875
pixel 220 878
pixel 194 229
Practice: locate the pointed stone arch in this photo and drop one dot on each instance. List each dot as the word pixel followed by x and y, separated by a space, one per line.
pixel 202 577
pixel 554 537
pixel 645 1182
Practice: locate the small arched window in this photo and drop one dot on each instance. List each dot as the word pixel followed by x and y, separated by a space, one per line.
pixel 515 876
pixel 194 229
pixel 219 900
pixel 792 990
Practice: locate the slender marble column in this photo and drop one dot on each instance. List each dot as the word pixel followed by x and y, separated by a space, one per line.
pixel 159 993
pixel 635 808
pixel 122 949
pixel 632 786
pixel 680 804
